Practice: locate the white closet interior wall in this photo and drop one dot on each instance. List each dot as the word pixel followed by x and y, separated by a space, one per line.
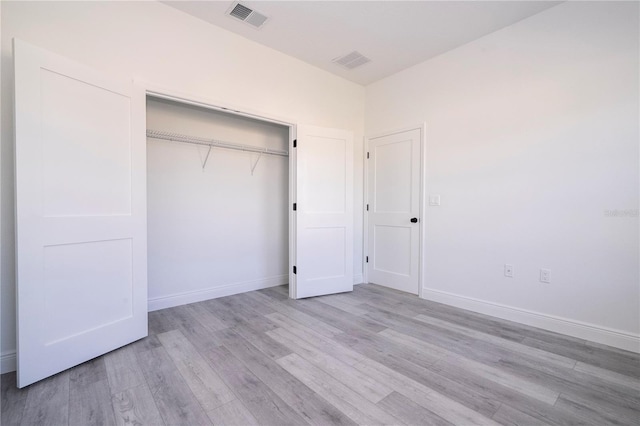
pixel 219 230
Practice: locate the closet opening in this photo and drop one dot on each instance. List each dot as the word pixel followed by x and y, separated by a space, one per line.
pixel 218 190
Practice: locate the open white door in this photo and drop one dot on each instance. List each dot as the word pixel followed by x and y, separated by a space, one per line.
pixel 324 212
pixel 80 213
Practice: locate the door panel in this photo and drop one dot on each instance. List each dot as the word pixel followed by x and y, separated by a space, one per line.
pixel 80 213
pixel 394 198
pixel 97 147
pixel 392 180
pixel 107 265
pixel 393 249
pixel 324 215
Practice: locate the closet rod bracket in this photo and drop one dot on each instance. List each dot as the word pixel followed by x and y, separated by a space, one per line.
pixel 253 167
pixel 204 164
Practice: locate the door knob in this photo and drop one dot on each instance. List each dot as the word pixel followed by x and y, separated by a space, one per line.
pixel 414 220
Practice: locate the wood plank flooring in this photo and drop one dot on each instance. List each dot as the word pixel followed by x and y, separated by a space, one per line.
pixel 371 357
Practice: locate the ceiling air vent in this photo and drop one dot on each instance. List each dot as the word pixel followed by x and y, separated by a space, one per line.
pixel 248 15
pixel 352 60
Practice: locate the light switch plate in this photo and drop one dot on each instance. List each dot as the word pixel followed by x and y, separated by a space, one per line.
pixel 545 276
pixel 434 200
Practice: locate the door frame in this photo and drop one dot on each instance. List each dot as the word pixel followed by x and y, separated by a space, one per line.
pixel 161 92
pixel 423 197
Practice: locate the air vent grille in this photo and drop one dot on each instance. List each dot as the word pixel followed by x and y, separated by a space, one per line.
pixel 248 15
pixel 240 11
pixel 352 60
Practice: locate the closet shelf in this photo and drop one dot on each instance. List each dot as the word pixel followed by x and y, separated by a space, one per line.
pixel 176 137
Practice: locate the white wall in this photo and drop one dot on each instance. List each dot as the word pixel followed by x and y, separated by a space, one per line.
pixel 532 135
pixel 153 42
pixel 219 230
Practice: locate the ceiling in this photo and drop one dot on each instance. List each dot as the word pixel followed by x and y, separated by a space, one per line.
pixel 393 34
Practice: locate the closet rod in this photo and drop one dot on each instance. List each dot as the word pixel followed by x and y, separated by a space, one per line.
pixel 176 137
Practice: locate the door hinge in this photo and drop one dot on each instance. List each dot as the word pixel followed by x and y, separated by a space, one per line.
pixel 367 155
pixel 367 259
pixel 295 271
pixel 295 143
pixel 295 206
pixel 367 207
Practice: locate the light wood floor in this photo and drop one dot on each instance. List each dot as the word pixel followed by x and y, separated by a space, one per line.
pixel 374 356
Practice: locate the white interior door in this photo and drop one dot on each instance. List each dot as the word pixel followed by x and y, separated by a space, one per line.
pixel 324 212
pixel 80 213
pixel 394 210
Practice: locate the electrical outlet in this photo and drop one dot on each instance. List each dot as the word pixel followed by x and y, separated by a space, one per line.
pixel 508 270
pixel 545 275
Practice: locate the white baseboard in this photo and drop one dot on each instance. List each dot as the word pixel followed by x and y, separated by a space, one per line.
pixel 8 362
pixel 214 292
pixel 579 329
pixel 358 279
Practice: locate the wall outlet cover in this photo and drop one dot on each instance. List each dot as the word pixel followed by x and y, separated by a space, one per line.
pixel 508 270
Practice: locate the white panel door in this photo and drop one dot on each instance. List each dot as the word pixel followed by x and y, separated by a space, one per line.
pixel 394 208
pixel 324 215
pixel 80 213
